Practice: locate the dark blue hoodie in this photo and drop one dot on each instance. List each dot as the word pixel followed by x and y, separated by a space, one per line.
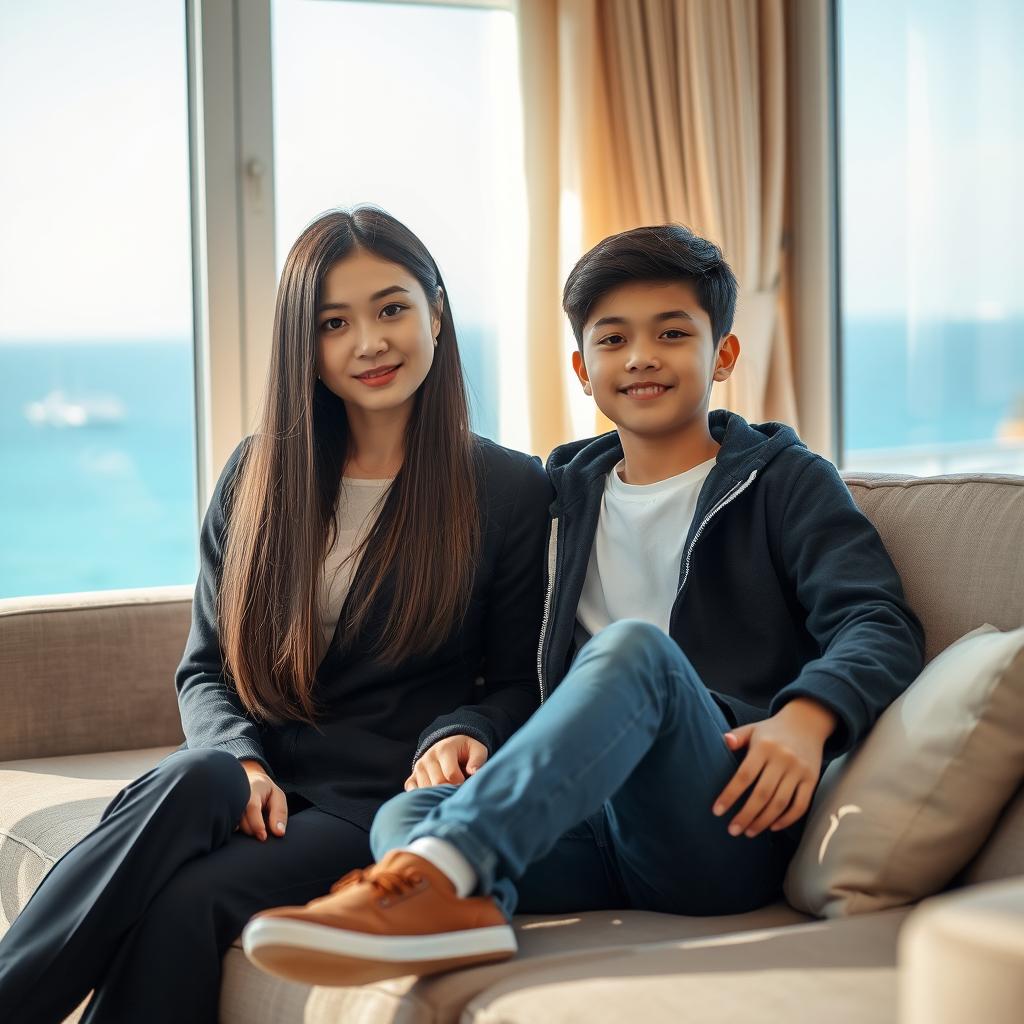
pixel 785 589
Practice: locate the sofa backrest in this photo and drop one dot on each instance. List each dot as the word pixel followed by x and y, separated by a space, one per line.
pixel 958 545
pixel 82 673
pixel 94 672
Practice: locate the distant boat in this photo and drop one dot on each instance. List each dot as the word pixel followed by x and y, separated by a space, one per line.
pixel 56 410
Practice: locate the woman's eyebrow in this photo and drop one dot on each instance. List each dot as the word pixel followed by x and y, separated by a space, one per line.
pixel 373 298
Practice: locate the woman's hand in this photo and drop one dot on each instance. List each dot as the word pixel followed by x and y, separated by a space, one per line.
pixel 266 795
pixel 449 760
pixel 784 759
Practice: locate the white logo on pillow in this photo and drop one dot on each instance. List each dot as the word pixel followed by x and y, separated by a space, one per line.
pixel 834 824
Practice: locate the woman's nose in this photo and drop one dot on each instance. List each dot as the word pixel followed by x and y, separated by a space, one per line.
pixel 371 343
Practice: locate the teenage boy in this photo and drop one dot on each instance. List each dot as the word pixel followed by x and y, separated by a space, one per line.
pixel 721 622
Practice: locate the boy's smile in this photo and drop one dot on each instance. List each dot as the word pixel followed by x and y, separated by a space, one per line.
pixel 649 358
pixel 645 390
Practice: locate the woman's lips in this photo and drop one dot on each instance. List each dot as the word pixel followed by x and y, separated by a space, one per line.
pixel 378 378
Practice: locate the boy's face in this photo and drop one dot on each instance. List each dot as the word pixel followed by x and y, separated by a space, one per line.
pixel 649 359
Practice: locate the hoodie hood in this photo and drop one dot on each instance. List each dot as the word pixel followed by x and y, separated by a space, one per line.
pixel 575 467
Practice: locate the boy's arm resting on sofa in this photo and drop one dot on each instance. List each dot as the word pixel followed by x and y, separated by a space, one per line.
pixel 871 642
pixel 212 715
pixel 511 626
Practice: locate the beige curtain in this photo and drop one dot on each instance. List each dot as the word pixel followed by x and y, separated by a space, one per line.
pixel 646 111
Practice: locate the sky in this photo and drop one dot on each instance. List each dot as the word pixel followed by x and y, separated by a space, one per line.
pixel 412 108
pixel 932 152
pixel 94 234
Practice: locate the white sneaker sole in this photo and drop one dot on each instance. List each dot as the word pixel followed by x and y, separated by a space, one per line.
pixel 320 955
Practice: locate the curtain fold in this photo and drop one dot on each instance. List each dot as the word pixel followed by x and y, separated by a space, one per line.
pixel 646 111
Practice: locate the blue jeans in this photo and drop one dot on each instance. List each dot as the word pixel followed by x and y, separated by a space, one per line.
pixel 603 798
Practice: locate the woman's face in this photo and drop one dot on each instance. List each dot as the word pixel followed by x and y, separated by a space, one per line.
pixel 376 331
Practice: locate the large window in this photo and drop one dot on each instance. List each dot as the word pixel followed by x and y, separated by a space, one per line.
pixel 415 108
pixel 931 99
pixel 97 438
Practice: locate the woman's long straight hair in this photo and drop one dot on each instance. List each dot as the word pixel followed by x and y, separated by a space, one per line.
pixel 416 565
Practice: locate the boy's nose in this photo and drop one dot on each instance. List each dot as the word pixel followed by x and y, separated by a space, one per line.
pixel 640 360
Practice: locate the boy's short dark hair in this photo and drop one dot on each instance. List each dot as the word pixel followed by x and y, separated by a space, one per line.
pixel 660 253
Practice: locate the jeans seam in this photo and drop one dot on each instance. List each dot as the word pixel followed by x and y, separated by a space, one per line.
pixel 570 781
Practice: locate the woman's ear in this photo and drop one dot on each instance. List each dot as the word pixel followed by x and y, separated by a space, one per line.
pixel 438 312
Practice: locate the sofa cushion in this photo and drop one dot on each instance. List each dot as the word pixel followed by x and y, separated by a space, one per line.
pixel 841 971
pixel 916 800
pixel 546 943
pixel 957 542
pixel 48 805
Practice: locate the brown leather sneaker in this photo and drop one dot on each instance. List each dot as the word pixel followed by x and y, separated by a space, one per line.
pixel 394 918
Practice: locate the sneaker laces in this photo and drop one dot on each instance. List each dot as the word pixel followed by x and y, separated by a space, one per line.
pixel 388 883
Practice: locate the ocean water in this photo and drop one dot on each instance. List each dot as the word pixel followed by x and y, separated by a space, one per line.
pixel 112 503
pixel 943 382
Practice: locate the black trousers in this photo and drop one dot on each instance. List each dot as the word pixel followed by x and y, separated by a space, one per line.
pixel 143 908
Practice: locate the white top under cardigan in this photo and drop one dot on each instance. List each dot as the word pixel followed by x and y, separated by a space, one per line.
pixel 354 516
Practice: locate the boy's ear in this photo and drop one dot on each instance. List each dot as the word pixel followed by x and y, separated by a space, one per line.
pixel 580 369
pixel 725 357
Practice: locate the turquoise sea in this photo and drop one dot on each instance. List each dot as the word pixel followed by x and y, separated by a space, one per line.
pixel 97 465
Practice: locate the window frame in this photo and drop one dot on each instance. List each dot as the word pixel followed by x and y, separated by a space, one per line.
pixel 812 243
pixel 232 193
pixel 231 170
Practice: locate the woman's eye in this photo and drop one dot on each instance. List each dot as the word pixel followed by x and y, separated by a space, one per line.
pixel 396 306
pixel 334 323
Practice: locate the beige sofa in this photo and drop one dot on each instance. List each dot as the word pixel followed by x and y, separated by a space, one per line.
pixel 88 702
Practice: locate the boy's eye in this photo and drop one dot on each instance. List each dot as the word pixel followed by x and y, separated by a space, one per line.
pixel 611 339
pixel 676 334
pixel 396 306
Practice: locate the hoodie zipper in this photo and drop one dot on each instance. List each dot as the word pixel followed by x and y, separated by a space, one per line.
pixel 734 493
pixel 552 562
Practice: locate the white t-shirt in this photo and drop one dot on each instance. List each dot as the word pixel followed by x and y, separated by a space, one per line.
pixel 353 520
pixel 633 571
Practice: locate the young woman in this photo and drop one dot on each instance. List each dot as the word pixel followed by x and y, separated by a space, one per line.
pixel 368 606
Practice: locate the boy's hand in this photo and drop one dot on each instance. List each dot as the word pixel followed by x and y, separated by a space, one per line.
pixel 449 760
pixel 784 758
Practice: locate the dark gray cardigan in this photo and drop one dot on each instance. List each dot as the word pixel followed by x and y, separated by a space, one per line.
pixel 481 682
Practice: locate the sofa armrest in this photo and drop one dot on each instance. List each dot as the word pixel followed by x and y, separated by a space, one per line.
pixel 82 673
pixel 961 956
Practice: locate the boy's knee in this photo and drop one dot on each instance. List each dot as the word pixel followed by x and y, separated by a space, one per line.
pixel 637 642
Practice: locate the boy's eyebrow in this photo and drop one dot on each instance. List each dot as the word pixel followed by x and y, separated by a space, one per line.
pixel 373 298
pixel 671 314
